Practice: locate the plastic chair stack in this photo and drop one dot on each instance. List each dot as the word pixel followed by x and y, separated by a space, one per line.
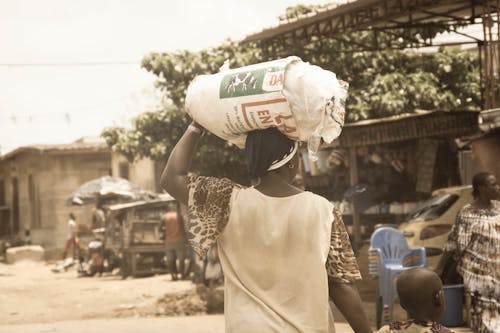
pixel 388 256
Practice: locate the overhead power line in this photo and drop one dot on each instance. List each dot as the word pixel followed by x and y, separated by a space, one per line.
pixel 69 64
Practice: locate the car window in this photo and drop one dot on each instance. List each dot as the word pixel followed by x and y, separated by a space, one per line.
pixel 433 208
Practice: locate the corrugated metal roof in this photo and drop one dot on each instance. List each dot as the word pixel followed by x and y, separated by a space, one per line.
pixel 77 146
pixel 404 127
pixel 142 203
pixel 489 120
pixel 366 14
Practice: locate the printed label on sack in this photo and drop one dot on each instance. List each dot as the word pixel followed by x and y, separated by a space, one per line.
pixel 254 82
pixel 261 114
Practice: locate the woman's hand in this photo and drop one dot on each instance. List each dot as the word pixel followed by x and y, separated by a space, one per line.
pixel 197 128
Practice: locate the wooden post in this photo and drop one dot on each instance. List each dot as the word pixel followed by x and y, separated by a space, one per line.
pixel 353 171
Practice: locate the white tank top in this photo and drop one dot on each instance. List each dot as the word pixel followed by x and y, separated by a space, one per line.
pixel 273 252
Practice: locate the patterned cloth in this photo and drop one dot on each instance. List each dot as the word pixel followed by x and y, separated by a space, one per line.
pixel 208 211
pixel 276 254
pixel 413 326
pixel 475 240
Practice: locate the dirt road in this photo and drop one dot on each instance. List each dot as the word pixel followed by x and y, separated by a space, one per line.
pixel 31 293
pixel 34 299
pixel 192 324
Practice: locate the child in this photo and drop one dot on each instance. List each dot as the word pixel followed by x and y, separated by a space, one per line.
pixel 421 295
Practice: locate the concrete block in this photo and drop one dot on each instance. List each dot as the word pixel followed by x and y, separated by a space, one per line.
pixel 27 252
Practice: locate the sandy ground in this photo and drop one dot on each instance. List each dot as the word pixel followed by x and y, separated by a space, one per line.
pixel 31 293
pixel 191 324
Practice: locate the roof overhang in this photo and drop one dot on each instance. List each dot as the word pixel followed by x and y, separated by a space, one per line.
pixel 72 148
pixel 489 120
pixel 375 14
pixel 164 199
pixel 427 124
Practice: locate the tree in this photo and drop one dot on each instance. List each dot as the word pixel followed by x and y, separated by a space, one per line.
pixel 156 132
pixel 382 83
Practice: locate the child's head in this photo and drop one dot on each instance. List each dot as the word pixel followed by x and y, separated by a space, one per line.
pixel 421 294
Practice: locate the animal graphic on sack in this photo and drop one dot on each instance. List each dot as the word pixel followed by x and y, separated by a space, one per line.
pixel 244 80
pixel 248 83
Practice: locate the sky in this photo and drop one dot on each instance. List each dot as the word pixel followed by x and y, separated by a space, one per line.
pixel 68 69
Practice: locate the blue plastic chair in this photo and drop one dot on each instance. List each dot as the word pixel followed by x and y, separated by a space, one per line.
pixel 388 256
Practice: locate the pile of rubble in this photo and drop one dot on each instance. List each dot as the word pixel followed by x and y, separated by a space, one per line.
pixel 186 303
pixel 199 301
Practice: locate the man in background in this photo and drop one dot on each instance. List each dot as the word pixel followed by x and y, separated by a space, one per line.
pixel 175 245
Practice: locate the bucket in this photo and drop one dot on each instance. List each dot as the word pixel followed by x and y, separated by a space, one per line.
pixel 453 296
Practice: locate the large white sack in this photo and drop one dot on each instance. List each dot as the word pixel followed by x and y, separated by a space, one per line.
pixel 317 102
pixel 303 101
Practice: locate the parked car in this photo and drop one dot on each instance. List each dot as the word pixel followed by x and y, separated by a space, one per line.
pixel 431 222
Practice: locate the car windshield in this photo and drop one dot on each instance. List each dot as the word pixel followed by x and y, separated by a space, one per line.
pixel 433 208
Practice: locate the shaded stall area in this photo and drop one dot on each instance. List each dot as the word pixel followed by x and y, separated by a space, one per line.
pixel 136 230
pixel 392 162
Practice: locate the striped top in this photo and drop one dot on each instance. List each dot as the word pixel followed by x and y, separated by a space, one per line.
pixel 475 237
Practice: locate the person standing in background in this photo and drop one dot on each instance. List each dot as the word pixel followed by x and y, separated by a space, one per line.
pixel 72 237
pixel 175 245
pixel 474 243
pixel 98 216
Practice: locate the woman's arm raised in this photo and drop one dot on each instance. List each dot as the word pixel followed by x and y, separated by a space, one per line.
pixel 173 179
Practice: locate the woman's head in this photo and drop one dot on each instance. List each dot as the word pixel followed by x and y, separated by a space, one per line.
pixel 484 185
pixel 268 149
pixel 421 294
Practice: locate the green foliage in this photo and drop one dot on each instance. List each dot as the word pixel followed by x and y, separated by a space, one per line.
pixel 446 80
pixel 390 82
pixel 177 69
pixel 294 12
pixel 382 83
pixel 155 134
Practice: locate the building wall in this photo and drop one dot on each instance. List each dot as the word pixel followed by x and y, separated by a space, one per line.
pixel 141 172
pixel 42 200
pixel 486 154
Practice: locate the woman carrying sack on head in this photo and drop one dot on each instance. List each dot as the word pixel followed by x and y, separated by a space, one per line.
pixel 283 251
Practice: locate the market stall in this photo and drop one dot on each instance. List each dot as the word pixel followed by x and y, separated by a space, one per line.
pixel 378 170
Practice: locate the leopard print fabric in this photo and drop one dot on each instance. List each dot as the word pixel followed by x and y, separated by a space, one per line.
pixel 208 212
pixel 341 264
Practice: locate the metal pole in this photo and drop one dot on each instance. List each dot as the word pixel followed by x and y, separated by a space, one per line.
pixel 353 171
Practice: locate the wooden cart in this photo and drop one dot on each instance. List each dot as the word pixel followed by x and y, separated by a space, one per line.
pixel 136 231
